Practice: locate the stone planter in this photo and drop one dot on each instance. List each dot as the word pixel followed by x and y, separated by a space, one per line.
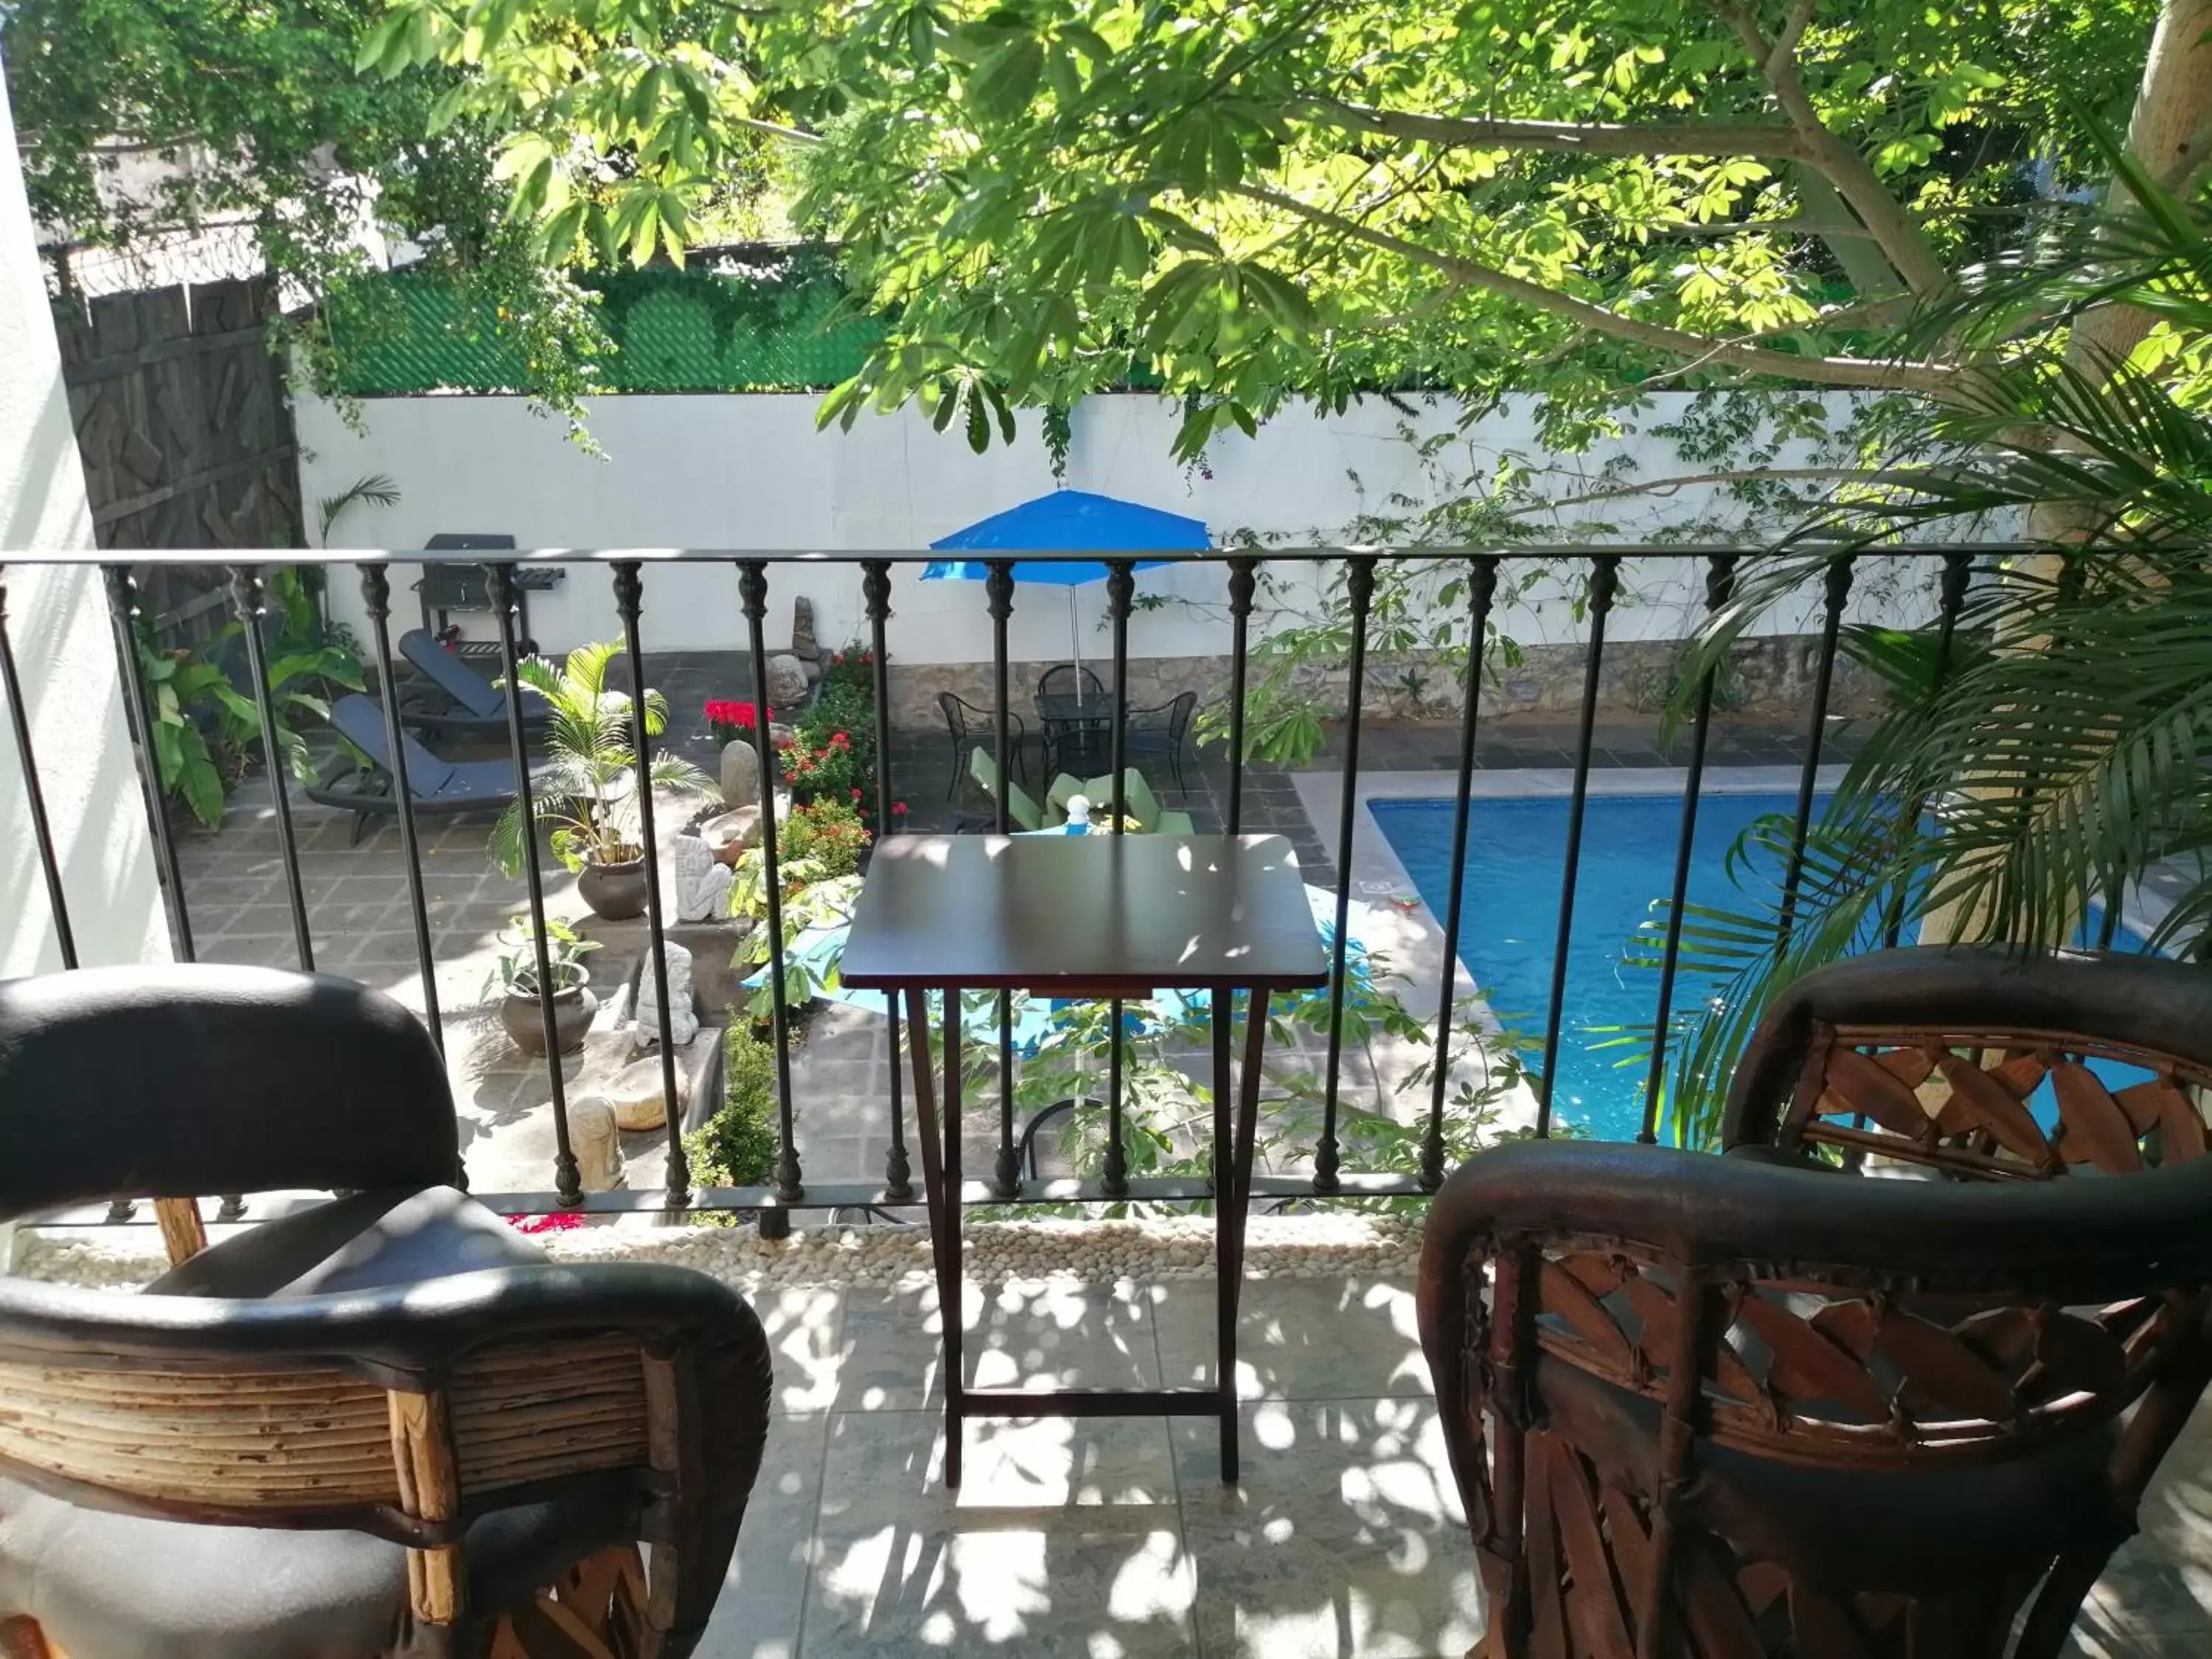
pixel 615 892
pixel 573 1008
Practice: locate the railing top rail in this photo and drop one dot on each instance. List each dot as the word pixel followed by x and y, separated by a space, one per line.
pixel 1300 554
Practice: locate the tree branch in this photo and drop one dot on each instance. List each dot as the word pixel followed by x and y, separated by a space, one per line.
pixel 1868 373
pixel 1900 239
pixel 1769 138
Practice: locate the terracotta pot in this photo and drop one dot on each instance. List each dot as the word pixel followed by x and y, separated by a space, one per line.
pixel 615 892
pixel 573 1008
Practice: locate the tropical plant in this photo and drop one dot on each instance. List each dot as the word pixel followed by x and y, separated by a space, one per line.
pixel 736 1147
pixel 823 765
pixel 374 489
pixel 587 787
pixel 515 972
pixel 203 727
pixel 2050 751
pixel 826 837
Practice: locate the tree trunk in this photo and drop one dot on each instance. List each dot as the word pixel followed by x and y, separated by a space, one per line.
pixel 2170 135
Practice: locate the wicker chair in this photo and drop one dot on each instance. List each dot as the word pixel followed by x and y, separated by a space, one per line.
pixel 1728 1408
pixel 384 1425
pixel 1978 1062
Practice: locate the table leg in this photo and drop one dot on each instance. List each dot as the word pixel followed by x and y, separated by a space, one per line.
pixel 948 1272
pixel 942 1202
pixel 1224 1203
pixel 1233 1214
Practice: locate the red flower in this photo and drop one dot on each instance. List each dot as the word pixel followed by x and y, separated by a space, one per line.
pixel 722 713
pixel 836 659
pixel 856 794
pixel 560 1221
pixel 839 740
pixel 898 809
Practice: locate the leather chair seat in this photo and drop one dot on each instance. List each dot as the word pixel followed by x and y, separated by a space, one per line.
pixel 106 1585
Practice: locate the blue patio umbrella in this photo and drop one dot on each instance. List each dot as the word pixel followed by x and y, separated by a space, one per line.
pixel 1068 521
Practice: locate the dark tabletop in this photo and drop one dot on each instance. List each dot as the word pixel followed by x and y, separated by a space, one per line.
pixel 1095 915
pixel 1061 708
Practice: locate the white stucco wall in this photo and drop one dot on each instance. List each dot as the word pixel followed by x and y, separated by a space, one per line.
pixel 57 620
pixel 752 472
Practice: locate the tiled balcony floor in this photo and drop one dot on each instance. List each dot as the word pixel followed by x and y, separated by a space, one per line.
pixel 1116 1537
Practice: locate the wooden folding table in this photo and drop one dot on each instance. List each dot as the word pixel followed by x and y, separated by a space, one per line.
pixel 1084 916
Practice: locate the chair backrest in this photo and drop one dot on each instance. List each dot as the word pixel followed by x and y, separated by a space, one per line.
pixel 403 1410
pixel 1065 788
pixel 1171 718
pixel 955 712
pixel 1983 1063
pixel 1021 811
pixel 451 675
pixel 1885 1404
pixel 1069 679
pixel 361 723
pixel 182 1080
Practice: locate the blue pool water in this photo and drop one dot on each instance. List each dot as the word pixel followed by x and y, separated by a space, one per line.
pixel 1517 856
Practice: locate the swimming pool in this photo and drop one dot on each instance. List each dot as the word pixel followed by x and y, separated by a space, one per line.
pixel 1516 855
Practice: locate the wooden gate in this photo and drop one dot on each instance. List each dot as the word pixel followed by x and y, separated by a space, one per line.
pixel 186 434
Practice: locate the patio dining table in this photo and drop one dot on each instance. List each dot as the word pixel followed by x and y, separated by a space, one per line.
pixel 1083 916
pixel 1078 718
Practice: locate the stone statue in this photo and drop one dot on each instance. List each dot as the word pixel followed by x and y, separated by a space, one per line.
pixel 741 784
pixel 638 1094
pixel 803 643
pixel 787 682
pixel 702 881
pixel 593 1138
pixel 682 1021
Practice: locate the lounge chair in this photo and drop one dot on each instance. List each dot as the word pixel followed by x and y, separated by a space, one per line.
pixel 1139 803
pixel 1065 788
pixel 458 701
pixel 1022 812
pixel 433 785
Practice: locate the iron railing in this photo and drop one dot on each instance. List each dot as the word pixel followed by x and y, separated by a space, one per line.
pixel 1954 566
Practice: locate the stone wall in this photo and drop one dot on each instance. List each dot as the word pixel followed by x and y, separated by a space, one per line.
pixel 1770 677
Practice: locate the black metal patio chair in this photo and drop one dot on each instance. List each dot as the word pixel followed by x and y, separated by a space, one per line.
pixel 972 728
pixel 1161 731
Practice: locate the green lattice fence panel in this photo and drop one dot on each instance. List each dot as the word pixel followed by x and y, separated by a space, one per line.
pixel 673 330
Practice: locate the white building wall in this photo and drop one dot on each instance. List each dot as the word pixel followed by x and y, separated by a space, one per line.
pixel 58 621
pixel 752 473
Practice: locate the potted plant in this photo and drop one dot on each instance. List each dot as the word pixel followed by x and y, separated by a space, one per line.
pixel 587 786
pixel 519 1010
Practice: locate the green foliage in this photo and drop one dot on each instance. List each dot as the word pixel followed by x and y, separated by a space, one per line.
pixel 204 728
pixel 587 787
pixel 516 970
pixel 2059 754
pixel 826 837
pixel 736 1147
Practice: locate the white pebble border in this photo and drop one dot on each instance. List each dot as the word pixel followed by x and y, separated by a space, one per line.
pixel 1322 1246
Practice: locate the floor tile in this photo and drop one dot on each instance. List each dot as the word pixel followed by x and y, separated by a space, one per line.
pixel 764 1592
pixel 894 1459
pixel 1297 1339
pixel 1032 1336
pixel 1344 1538
pixel 1087 1584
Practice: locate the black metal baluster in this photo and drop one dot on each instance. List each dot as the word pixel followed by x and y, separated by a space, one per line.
pixel 1360 586
pixel 752 592
pixel 629 593
pixel 376 592
pixel 567 1182
pixel 1605 582
pixel 1839 593
pixel 246 593
pixel 1720 582
pixel 1482 588
pixel 999 592
pixel 876 588
pixel 138 717
pixel 11 686
pixel 1120 591
pixel 138 714
pixel 1244 583
pixel 1958 572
